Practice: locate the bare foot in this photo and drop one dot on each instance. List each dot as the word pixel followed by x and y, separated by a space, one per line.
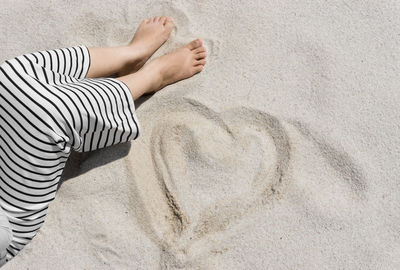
pixel 149 36
pixel 178 65
pixel 167 69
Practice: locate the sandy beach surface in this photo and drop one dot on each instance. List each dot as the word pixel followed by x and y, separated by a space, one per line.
pixel 283 153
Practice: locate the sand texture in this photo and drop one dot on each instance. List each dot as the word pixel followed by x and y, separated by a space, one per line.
pixel 282 154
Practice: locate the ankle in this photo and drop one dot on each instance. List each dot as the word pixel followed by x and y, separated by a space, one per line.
pixel 153 73
pixel 128 55
pixel 146 80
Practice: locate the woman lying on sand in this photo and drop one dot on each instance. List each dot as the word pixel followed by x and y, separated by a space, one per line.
pixel 55 101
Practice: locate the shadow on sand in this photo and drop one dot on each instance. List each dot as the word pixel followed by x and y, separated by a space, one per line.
pixel 79 163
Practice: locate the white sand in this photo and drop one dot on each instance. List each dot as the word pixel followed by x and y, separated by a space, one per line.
pixel 282 154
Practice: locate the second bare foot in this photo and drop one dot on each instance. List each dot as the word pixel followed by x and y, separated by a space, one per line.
pixel 178 65
pixel 149 36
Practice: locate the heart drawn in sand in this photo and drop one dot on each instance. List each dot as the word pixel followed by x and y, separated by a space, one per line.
pixel 212 169
pixel 241 153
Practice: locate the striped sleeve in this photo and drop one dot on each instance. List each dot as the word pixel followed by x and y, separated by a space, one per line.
pixel 72 61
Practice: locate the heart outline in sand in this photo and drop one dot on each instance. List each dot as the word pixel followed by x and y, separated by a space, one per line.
pixel 268 180
pixel 184 240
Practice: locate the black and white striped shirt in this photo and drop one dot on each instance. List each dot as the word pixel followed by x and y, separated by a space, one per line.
pixel 47 108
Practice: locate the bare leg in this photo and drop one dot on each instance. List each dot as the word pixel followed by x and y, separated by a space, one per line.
pixel 107 61
pixel 170 68
pixel 149 36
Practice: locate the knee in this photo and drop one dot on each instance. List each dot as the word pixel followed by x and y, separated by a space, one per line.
pixel 5 70
pixel 9 67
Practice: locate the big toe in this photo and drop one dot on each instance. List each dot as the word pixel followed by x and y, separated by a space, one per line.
pixel 169 24
pixel 163 19
pixel 194 44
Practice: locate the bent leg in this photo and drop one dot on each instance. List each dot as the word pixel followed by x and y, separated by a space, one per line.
pixel 107 61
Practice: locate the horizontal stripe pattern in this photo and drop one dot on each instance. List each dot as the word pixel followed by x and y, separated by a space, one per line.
pixel 47 109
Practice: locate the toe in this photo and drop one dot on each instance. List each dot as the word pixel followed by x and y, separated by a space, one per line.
pixel 194 44
pixel 197 69
pixel 163 19
pixel 169 24
pixel 169 21
pixel 200 62
pixel 199 50
pixel 155 19
pixel 200 55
